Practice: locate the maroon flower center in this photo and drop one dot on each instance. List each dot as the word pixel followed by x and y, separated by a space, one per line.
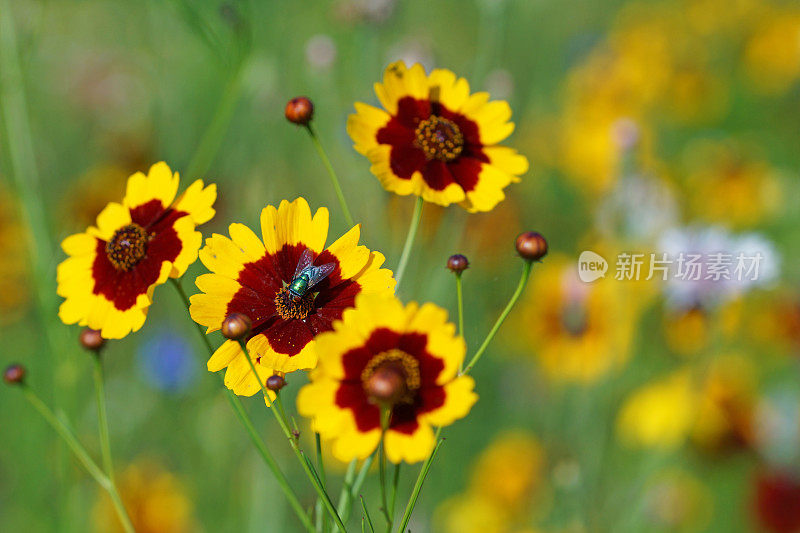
pixel 127 247
pixel 391 378
pixel 439 138
pixel 288 307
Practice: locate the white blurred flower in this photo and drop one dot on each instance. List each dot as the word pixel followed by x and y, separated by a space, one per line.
pixel 638 210
pixel 626 133
pixel 320 51
pixel 777 427
pixel 695 281
pixel 411 51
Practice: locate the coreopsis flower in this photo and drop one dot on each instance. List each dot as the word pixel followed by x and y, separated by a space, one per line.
pixel 384 356
pixel 659 414
pixel 436 140
pixel 113 268
pixel 156 501
pixel 579 332
pixel 255 278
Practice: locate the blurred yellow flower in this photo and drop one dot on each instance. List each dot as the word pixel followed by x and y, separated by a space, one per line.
pixel 578 331
pixel 436 140
pixel 14 290
pixel 155 499
pixel 728 186
pixel 772 54
pixel 505 480
pixel 659 414
pixel 726 405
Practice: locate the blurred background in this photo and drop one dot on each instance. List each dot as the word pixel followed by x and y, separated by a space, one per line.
pixel 619 405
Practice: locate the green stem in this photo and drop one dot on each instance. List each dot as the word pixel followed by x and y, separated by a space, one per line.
pixel 346 505
pixel 393 500
pixel 247 422
pixel 526 272
pixel 386 415
pixel 102 417
pixel 423 473
pixel 215 133
pixel 366 514
pixel 412 233
pixel 321 518
pixel 460 295
pixel 301 457
pixel 332 173
pixel 80 452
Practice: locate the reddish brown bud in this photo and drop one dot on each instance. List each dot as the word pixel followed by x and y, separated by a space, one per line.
pixel 299 110
pixel 531 246
pixel 457 263
pixel 386 385
pixel 91 339
pixel 236 326
pixel 275 382
pixel 14 374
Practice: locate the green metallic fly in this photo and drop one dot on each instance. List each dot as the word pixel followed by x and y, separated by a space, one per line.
pixel 306 275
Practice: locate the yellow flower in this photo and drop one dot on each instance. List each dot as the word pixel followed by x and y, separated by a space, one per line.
pixel 436 140
pixel 155 499
pixel 384 354
pixel 14 294
pixel 113 268
pixel 675 500
pixel 772 54
pixel 509 471
pixel 659 414
pixel 251 276
pixel 472 513
pixel 729 186
pixel 726 404
pixel 578 331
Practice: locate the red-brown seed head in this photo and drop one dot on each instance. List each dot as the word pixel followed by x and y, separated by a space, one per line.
pixel 91 340
pixel 457 263
pixel 531 246
pixel 299 110
pixel 14 374
pixel 235 326
pixel 275 382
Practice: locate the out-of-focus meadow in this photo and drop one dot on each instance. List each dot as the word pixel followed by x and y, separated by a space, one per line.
pixel 617 405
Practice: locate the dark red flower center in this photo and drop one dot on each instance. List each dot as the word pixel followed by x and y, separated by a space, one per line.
pixel 439 138
pixel 287 306
pixel 391 377
pixel 127 247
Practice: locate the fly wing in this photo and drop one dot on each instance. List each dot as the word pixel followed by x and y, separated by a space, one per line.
pixel 317 274
pixel 306 258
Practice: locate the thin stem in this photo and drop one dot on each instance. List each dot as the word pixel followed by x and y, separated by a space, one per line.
pixel 423 473
pixel 386 415
pixel 332 173
pixel 366 514
pixel 215 133
pixel 526 272
pixel 247 422
pixel 393 499
pixel 460 295
pixel 301 457
pixel 80 452
pixel 321 518
pixel 102 417
pixel 346 505
pixel 412 233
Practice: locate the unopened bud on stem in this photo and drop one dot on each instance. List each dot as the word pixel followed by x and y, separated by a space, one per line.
pixel 531 246
pixel 236 326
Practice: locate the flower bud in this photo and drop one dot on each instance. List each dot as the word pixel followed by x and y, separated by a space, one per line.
pixel 299 110
pixel 14 374
pixel 91 339
pixel 275 382
pixel 385 386
pixel 236 326
pixel 457 263
pixel 531 246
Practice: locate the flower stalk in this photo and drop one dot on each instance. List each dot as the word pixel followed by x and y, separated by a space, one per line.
pixel 412 234
pixel 68 436
pixel 332 173
pixel 102 417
